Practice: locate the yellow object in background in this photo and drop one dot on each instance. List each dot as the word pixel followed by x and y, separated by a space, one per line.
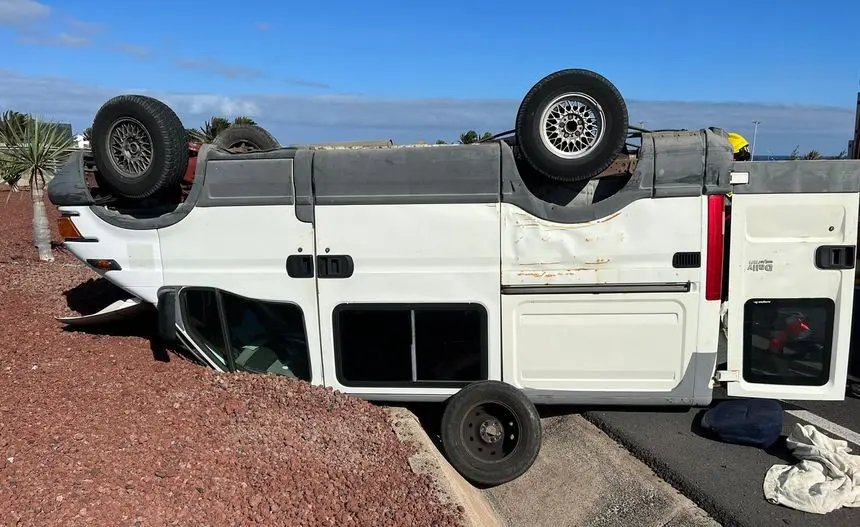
pixel 738 141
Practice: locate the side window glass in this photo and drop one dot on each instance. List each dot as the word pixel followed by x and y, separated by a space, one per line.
pixel 788 341
pixel 402 345
pixel 204 323
pixel 267 337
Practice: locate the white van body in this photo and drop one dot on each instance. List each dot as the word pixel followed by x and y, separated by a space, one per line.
pixel 432 266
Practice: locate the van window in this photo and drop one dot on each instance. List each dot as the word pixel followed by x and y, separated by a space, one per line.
pixel 788 341
pixel 203 322
pixel 410 344
pixel 262 337
pixel 266 337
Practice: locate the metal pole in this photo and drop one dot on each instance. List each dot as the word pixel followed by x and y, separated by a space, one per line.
pixel 855 153
pixel 755 133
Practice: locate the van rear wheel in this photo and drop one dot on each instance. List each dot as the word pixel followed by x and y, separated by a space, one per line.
pixel 240 138
pixel 571 125
pixel 491 432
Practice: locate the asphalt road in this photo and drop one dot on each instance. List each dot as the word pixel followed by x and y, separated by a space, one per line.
pixel 725 479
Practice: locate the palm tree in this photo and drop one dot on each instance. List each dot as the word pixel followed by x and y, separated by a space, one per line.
pixel 472 137
pixel 36 150
pixel 242 119
pixel 12 119
pixel 211 128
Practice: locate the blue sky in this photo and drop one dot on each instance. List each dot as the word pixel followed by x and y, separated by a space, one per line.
pixel 333 70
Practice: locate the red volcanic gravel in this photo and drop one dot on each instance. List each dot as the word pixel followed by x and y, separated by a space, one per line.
pixel 103 429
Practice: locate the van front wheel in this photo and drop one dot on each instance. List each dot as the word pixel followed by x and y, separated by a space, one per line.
pixel 139 146
pixel 491 432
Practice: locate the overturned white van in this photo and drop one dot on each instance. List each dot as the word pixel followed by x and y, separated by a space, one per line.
pixel 489 276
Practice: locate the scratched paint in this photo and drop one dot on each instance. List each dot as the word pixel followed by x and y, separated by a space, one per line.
pixel 635 244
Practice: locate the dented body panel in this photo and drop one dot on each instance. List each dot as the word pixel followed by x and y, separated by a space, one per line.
pixel 620 248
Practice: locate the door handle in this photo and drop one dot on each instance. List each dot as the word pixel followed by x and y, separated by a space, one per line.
pixel 335 266
pixel 835 257
pixel 300 266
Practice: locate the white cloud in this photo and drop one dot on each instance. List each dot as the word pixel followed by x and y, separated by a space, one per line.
pixel 299 119
pixel 218 67
pixel 29 19
pixel 83 26
pixel 65 40
pixel 308 83
pixel 131 49
pixel 19 12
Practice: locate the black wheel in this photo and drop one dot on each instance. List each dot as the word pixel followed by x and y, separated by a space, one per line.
pixel 245 138
pixel 571 125
pixel 139 146
pixel 491 432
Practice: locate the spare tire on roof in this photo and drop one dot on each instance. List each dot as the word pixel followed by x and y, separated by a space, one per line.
pixel 139 146
pixel 571 125
pixel 245 138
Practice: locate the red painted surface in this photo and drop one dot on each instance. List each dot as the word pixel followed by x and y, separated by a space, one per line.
pixel 193 148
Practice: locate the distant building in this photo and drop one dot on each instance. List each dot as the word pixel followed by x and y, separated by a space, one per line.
pixel 81 143
pixel 65 130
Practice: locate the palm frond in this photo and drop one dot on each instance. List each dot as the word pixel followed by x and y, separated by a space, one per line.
pixel 35 149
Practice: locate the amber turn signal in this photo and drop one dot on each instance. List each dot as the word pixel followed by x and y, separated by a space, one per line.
pixel 104 265
pixel 67 229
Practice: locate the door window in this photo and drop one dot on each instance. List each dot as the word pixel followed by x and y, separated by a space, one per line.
pixel 203 322
pixel 266 337
pixel 788 341
pixel 411 344
pixel 261 336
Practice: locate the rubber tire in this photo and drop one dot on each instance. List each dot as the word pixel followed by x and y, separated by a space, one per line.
pixel 256 135
pixel 498 472
pixel 529 133
pixel 169 143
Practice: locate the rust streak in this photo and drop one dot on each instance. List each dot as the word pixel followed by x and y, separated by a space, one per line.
pixel 537 274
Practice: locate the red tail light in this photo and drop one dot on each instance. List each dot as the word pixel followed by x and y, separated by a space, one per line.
pixel 714 264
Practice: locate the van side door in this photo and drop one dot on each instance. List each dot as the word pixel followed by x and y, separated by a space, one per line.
pixel 792 252
pixel 242 264
pixel 408 272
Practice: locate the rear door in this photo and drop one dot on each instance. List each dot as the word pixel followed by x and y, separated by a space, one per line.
pixel 792 251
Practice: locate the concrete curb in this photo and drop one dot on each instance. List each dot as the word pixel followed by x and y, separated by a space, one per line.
pixel 453 489
pixel 583 477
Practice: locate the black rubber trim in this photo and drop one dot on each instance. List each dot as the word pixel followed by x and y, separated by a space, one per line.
pixel 835 257
pixel 594 289
pixel 300 266
pixel 335 266
pixel 687 260
pixel 81 240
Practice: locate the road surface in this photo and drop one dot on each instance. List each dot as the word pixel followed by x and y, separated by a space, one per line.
pixel 724 479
